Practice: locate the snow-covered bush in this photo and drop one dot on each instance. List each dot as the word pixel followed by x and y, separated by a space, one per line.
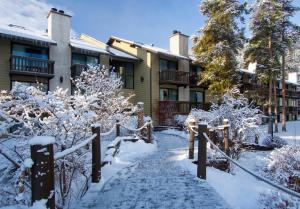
pixel 278 200
pixel 243 116
pixel 104 95
pixel 283 167
pixel 275 142
pixel 26 112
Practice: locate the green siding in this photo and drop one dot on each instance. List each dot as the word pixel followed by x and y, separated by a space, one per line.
pixel 4 64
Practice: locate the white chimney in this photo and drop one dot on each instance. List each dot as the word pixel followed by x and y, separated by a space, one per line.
pixel 179 43
pixel 59 28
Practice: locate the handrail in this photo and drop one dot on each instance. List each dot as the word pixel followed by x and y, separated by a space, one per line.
pixel 284 189
pixel 72 149
pixel 139 129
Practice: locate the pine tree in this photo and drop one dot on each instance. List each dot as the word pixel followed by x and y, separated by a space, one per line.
pixel 290 35
pixel 264 45
pixel 217 44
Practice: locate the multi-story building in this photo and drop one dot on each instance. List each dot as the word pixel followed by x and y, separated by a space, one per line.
pixel 259 93
pixel 51 58
pixel 165 80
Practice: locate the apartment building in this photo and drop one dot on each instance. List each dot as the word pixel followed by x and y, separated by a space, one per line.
pixel 165 80
pixel 52 57
pixel 259 93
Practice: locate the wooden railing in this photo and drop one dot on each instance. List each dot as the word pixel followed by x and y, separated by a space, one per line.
pixel 174 77
pixel 76 69
pixel 31 66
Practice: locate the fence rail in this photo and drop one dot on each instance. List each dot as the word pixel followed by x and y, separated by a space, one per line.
pixel 201 167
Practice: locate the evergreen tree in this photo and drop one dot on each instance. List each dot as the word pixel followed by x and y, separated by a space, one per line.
pixel 290 35
pixel 264 45
pixel 217 44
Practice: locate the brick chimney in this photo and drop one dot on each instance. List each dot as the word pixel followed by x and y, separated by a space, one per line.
pixel 59 28
pixel 179 43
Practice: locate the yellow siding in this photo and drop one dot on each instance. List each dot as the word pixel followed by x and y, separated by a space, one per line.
pixel 141 74
pixel 4 64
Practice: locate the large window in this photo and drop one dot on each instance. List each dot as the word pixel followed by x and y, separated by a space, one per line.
pixel 83 59
pixel 41 86
pixel 125 71
pixel 30 51
pixel 197 96
pixel 167 65
pixel 168 94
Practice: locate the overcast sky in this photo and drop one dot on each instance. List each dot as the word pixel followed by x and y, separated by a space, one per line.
pixel 148 21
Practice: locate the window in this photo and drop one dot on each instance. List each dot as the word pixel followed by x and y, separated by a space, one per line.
pixel 30 51
pixel 82 59
pixel 167 65
pixel 195 72
pixel 41 86
pixel 168 95
pixel 197 96
pixel 125 70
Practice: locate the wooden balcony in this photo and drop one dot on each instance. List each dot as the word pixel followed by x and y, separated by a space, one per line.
pixel 167 110
pixel 31 66
pixel 195 81
pixel 174 77
pixel 76 70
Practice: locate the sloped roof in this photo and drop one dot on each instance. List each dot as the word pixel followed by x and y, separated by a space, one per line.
pixel 80 44
pixel 21 33
pixel 149 47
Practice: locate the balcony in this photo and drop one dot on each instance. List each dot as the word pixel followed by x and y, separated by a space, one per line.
pixel 167 110
pixel 31 66
pixel 289 93
pixel 194 80
pixel 174 77
pixel 76 69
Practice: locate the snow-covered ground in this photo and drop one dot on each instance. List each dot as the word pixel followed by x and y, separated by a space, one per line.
pixel 292 136
pixel 238 188
pixel 155 181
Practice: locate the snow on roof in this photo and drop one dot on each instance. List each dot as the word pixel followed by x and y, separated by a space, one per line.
pixel 19 32
pixel 81 44
pixel 150 48
pixel 252 73
pixel 118 53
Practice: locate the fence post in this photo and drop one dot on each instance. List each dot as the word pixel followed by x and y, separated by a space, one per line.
pixel 96 155
pixel 201 168
pixel 226 136
pixel 192 123
pixel 149 130
pixel 140 117
pixel 117 128
pixel 42 171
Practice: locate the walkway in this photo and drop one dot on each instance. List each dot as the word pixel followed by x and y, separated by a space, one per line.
pixel 157 181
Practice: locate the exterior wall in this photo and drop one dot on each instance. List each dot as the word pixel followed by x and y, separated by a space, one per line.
pixel 104 60
pixel 59 26
pixel 5 46
pixel 141 74
pixel 184 91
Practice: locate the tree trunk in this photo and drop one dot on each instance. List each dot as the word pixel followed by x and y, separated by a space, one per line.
pixel 270 106
pixel 283 93
pixel 275 106
pixel 270 90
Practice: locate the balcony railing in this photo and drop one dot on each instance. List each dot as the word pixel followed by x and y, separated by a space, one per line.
pixel 180 107
pixel 195 80
pixel 167 110
pixel 174 77
pixel 31 66
pixel 76 70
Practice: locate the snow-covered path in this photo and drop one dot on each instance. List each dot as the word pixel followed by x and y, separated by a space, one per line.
pixel 156 181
